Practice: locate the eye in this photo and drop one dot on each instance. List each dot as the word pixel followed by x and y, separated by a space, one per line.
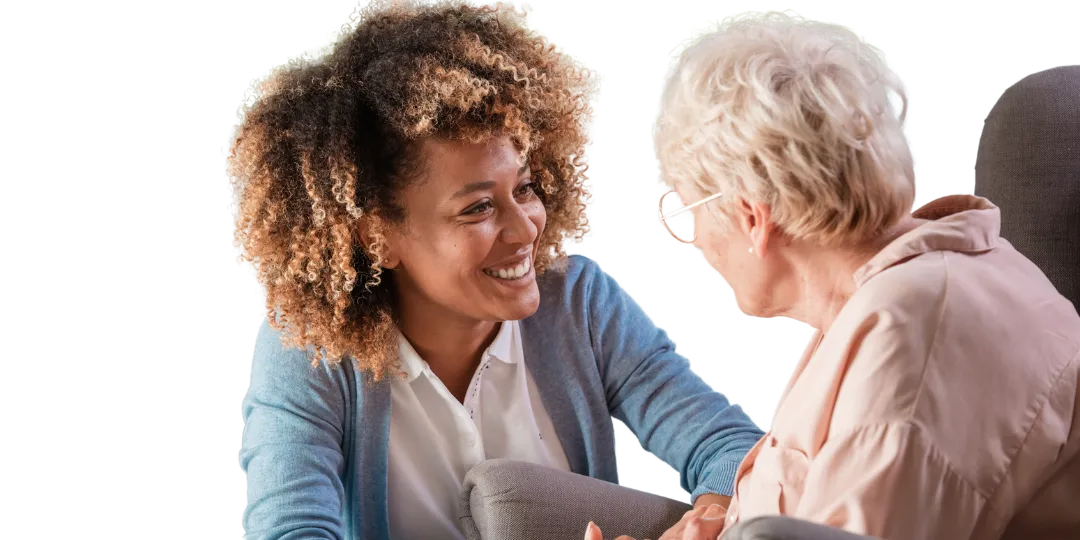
pixel 527 190
pixel 480 208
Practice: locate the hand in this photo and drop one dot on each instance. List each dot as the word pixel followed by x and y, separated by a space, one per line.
pixel 592 532
pixel 705 522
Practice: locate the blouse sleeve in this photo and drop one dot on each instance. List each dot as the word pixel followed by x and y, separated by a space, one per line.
pixel 888 481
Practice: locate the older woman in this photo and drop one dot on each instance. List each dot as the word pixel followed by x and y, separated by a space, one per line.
pixel 404 199
pixel 939 398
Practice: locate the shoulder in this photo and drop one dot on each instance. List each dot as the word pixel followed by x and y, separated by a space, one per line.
pixel 577 287
pixel 902 306
pixel 291 373
pixel 898 310
pixel 568 273
pixel 274 358
pixel 884 337
pixel 915 287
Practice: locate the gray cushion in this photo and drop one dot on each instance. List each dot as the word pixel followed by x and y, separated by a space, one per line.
pixel 1029 166
pixel 505 499
pixel 784 528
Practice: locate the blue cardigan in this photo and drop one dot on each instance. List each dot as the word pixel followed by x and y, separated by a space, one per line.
pixel 315 439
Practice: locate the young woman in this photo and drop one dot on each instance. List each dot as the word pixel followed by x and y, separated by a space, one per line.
pixel 404 199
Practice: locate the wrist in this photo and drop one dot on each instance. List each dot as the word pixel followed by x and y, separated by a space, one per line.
pixel 706 499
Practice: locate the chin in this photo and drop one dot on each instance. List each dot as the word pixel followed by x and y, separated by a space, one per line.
pixel 747 311
pixel 752 309
pixel 513 308
pixel 511 300
pixel 520 308
pixel 762 311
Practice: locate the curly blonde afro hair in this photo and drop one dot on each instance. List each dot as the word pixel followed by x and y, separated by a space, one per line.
pixel 327 144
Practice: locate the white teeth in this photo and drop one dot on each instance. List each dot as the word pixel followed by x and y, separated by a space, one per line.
pixel 515 272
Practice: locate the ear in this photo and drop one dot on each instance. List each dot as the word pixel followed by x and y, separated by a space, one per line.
pixel 374 233
pixel 755 221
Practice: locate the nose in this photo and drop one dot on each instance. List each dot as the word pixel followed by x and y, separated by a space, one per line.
pixel 519 224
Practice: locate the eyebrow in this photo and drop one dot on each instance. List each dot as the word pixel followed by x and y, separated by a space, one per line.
pixel 480 186
pixel 472 188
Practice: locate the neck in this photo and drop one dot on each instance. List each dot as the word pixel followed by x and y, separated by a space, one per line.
pixel 452 345
pixel 824 278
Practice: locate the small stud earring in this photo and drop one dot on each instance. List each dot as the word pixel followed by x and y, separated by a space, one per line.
pixel 751 250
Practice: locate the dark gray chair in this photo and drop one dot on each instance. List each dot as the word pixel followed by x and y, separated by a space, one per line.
pixel 1029 166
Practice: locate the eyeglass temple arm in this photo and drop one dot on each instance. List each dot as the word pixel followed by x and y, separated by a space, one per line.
pixel 688 207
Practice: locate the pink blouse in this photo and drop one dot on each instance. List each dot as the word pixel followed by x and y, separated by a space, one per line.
pixel 942 403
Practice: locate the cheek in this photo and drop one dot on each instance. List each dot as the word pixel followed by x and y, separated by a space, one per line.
pixel 463 248
pixel 538 215
pixel 727 257
pixel 469 246
pixel 714 246
pixel 436 257
pixel 720 260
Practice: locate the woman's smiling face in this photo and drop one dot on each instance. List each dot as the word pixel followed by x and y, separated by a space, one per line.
pixel 473 221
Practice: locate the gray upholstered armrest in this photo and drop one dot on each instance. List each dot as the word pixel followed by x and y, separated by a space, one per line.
pixel 783 528
pixel 504 500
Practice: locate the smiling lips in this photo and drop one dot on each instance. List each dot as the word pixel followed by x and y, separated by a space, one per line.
pixel 517 271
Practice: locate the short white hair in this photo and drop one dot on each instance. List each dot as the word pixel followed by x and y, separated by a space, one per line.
pixel 794 114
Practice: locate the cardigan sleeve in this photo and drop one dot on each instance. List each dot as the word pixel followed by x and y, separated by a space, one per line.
pixel 649 387
pixel 292 445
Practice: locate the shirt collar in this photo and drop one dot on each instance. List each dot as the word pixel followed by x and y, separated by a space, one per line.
pixel 501 348
pixel 412 366
pixel 962 223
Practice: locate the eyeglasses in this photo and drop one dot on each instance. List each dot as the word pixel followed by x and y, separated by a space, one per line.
pixel 677 217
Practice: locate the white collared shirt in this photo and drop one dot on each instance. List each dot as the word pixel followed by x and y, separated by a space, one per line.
pixel 435 440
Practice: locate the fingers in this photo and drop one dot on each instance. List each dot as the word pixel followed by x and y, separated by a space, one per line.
pixel 701 523
pixel 676 532
pixel 697 511
pixel 708 526
pixel 703 529
pixel 592 532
